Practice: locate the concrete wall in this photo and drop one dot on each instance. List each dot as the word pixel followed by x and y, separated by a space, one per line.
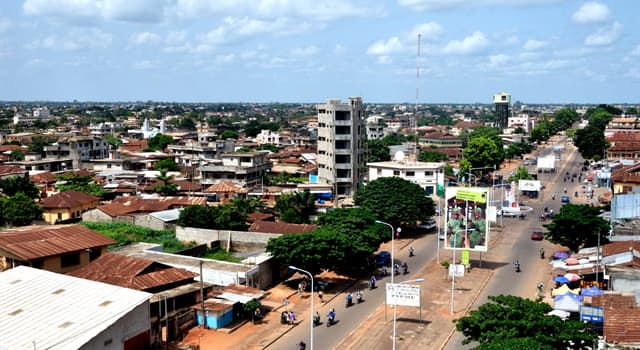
pixel 96 215
pixel 152 223
pixel 135 322
pixel 241 241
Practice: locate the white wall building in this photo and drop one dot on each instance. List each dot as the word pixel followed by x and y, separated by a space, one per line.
pixel 341 145
pixel 427 175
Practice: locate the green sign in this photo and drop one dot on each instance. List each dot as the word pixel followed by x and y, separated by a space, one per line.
pixel 440 190
pixel 479 197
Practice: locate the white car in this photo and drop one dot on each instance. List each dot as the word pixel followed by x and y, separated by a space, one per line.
pixel 427 225
pixel 507 214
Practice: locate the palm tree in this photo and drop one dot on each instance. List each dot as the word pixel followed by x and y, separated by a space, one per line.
pixel 167 188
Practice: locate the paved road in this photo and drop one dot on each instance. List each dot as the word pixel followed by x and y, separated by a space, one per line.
pixel 349 319
pixel 516 243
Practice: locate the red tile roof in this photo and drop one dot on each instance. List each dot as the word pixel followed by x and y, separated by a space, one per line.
pixel 619 247
pixel 280 227
pixel 134 273
pixel 68 199
pixel 31 242
pixel 132 205
pixel 4 148
pixel 46 177
pixel 11 170
pixel 225 186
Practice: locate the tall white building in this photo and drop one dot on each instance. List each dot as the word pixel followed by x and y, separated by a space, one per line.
pixel 341 145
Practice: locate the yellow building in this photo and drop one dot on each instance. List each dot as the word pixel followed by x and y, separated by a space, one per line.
pixel 67 206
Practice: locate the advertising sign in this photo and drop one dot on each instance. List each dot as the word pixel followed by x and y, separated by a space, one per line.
pixel 456 270
pixel 529 185
pixel 403 294
pixel 467 226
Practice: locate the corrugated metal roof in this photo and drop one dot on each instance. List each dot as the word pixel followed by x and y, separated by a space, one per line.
pixel 31 242
pixel 167 215
pixel 130 205
pixel 280 227
pixel 68 199
pixel 134 273
pixel 45 310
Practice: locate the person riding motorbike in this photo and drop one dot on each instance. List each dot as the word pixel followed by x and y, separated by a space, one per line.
pixel 331 317
pixel 405 268
pixel 372 282
pixel 316 318
pixel 410 251
pixel 302 346
pixel 517 266
pixel 349 299
pixel 359 296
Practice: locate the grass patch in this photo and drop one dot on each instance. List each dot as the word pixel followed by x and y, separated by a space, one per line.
pixel 126 234
pixel 221 254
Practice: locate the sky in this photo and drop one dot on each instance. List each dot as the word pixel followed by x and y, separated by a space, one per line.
pixel 539 51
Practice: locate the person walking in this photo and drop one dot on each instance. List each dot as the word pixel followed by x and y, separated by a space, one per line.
pixel 320 295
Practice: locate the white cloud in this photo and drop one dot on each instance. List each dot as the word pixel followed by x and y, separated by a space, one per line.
pixel 605 35
pixel 636 51
pixel 471 44
pixel 233 29
pixel 498 60
pixel 305 51
pixel 384 60
pixel 75 11
pixel 532 45
pixel 384 48
pixel 423 5
pixel 134 10
pixel 145 38
pixel 591 12
pixel 176 37
pixel 220 59
pixel 430 31
pixel 5 24
pixel 146 64
pixel 339 49
pixel 74 40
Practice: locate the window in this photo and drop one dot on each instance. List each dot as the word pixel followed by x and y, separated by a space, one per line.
pixel 379 171
pixel 428 173
pixel 396 173
pixel 411 173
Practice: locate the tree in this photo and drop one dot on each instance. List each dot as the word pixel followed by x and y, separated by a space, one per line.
pixel 196 216
pixel 591 142
pixel 228 217
pixel 377 151
pixel 167 164
pixel 229 134
pixel 519 130
pixel 483 152
pixel 39 142
pixel 521 174
pixel 73 181
pixel 295 207
pixel 430 156
pixel 487 132
pixel 16 184
pixel 17 155
pixel 577 226
pixel 395 201
pixel 113 141
pixel 511 322
pixel 159 142
pixel 358 223
pixel 19 210
pixel 167 187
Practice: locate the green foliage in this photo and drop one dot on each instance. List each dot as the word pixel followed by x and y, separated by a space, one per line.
pixel 487 132
pixel 19 210
pixel 295 207
pixel 167 188
pixel 79 183
pixel 221 255
pixel 167 164
pixel 195 216
pixel 430 156
pixel 510 322
pixel 356 223
pixel 283 178
pixel 17 155
pixel 251 306
pixel 591 142
pixel 39 142
pixel 519 130
pixel 521 174
pixel 113 141
pixel 15 184
pixel 377 151
pixel 229 134
pixel 448 170
pixel 268 147
pixel 395 201
pixel 254 127
pixel 126 234
pixel 483 152
pixel 223 217
pixel 159 142
pixel 577 226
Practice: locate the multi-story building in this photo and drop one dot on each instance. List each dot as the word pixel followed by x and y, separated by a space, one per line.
pixel 375 127
pixel 341 145
pixel 245 169
pixel 502 101
pixel 79 149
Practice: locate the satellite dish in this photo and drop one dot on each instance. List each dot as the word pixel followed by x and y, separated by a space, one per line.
pixel 399 156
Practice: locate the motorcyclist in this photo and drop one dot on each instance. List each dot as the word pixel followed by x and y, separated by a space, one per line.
pixel 405 268
pixel 302 346
pixel 516 265
pixel 372 282
pixel 349 299
pixel 410 251
pixel 331 316
pixel 316 318
pixel 396 269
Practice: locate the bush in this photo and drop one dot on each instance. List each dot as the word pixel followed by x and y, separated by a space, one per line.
pixel 126 234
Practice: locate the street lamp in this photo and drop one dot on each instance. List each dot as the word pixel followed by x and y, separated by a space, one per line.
pixel 311 312
pixel 395 310
pixel 392 240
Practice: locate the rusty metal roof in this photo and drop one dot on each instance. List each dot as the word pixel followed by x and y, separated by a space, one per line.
pixel 134 273
pixel 68 199
pixel 32 242
pixel 132 205
pixel 280 227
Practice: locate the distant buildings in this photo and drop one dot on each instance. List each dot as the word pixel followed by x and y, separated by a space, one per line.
pixel 341 145
pixel 501 101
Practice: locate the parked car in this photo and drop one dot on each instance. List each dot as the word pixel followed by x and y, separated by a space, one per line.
pixel 428 225
pixel 507 214
pixel 565 199
pixel 383 258
pixel 441 236
pixel 536 235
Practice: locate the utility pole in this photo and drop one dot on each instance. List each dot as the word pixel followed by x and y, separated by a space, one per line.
pixel 204 319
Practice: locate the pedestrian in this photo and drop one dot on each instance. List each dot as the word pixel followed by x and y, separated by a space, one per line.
pixel 285 302
pixel 320 295
pixel 292 318
pixel 384 270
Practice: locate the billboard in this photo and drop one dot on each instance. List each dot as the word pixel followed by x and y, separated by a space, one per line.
pixel 467 226
pixel 403 294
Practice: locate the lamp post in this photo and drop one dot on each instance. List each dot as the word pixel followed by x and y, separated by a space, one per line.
pixel 395 310
pixel 392 246
pixel 311 312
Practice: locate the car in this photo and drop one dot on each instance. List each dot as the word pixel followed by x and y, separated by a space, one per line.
pixel 427 225
pixel 383 258
pixel 507 214
pixel 441 236
pixel 536 235
pixel 565 199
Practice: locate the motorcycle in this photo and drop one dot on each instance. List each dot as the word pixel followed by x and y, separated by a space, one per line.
pixel 349 300
pixel 405 269
pixel 359 297
pixel 411 251
pixel 316 319
pixel 330 318
pixel 372 283
pixel 517 266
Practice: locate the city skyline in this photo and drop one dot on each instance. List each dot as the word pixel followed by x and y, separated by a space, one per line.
pixel 540 51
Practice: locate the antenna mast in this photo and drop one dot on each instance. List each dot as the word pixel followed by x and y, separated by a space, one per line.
pixel 415 115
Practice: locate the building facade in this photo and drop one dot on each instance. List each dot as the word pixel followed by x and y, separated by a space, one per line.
pixel 427 175
pixel 341 145
pixel 501 101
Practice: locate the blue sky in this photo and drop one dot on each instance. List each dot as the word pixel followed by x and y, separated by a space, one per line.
pixel 540 51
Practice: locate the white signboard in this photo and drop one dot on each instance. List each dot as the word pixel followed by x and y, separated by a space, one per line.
pixel 403 294
pixel 529 185
pixel 457 270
